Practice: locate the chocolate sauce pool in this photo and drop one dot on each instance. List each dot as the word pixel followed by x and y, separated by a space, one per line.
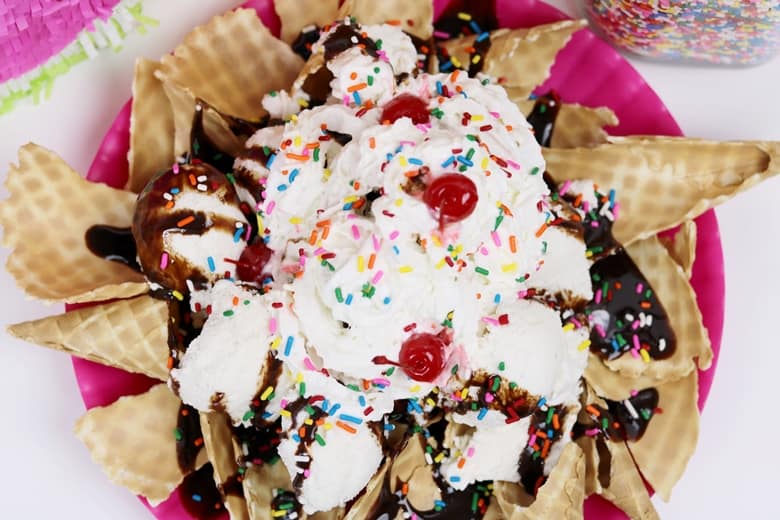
pixel 114 244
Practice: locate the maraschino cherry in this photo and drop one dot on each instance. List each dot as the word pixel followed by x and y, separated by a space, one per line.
pixel 406 105
pixel 421 357
pixel 451 197
pixel 252 262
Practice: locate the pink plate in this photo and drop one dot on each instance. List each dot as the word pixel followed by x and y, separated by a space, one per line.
pixel 587 71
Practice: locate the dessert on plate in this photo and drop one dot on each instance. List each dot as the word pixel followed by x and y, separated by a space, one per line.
pixel 375 277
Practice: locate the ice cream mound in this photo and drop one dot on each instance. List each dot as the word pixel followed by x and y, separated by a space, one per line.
pixel 404 251
pixel 385 293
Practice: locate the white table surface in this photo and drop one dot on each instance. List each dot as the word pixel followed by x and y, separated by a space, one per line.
pixel 47 473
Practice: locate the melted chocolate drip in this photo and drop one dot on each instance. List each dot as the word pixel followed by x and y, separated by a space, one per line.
pixel 543 115
pixel 495 393
pixel 483 16
pixel 272 373
pixel 482 20
pixel 339 137
pixel 114 244
pixel 343 38
pixel 233 486
pixel 302 44
pixel 260 443
pixel 317 86
pixel 189 437
pixel 626 420
pixel 287 502
pixel 626 315
pixel 544 430
pixel 203 148
pixel 199 494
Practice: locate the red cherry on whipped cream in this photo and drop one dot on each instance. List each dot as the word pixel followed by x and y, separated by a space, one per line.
pixel 421 357
pixel 451 197
pixel 406 105
pixel 252 262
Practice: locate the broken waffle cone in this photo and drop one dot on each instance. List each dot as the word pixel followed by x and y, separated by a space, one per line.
pixel 663 181
pixel 128 334
pixel 45 219
pixel 626 489
pixel 219 443
pixel 364 505
pixel 520 58
pixel 413 16
pixel 296 15
pixel 231 63
pixel 184 107
pixel 560 497
pixel 670 439
pixel 576 125
pixel 674 291
pixel 132 439
pixel 260 485
pixel 682 246
pixel 151 127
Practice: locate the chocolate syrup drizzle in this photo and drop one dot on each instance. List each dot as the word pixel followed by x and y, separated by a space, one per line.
pixel 200 495
pixel 114 244
pixel 482 19
pixel 543 115
pixel 625 420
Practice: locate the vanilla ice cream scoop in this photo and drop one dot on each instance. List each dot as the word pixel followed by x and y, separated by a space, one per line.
pixel 189 227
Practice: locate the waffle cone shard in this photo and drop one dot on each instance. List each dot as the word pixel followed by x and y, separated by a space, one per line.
pixel 219 443
pixel 521 58
pixel 626 488
pixel 682 246
pixel 298 14
pixel 151 127
pixel 666 447
pixel 561 497
pixel 128 334
pixel 663 181
pixel 413 16
pixel 132 439
pixel 576 125
pixel 184 108
pixel 45 218
pixel 231 63
pixel 693 346
pixel 259 485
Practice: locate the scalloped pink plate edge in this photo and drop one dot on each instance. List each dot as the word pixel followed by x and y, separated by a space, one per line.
pixel 587 71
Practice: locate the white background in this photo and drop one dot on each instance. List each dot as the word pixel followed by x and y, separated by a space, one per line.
pixel 47 473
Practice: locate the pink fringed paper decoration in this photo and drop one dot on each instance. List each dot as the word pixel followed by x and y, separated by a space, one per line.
pixel 41 40
pixel 32 31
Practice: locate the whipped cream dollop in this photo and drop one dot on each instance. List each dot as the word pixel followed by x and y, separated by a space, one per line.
pixel 415 256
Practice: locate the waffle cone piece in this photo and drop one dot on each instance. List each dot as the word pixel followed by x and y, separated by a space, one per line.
pixel 132 439
pixel 520 58
pixel 626 488
pixel 128 334
pixel 231 63
pixel 151 127
pixel 675 293
pixel 663 181
pixel 666 447
pixel 183 107
pixel 561 497
pixel 298 14
pixel 682 246
pixel 576 125
pixel 413 16
pixel 220 448
pixel 52 262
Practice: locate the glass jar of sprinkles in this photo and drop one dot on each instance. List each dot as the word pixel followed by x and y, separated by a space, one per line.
pixel 723 32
